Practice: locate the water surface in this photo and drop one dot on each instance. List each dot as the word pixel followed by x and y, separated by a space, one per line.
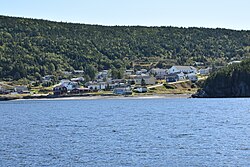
pixel 125 132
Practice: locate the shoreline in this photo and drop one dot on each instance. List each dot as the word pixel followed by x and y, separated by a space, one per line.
pixel 94 97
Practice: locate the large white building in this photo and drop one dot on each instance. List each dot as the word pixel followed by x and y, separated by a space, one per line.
pixel 184 69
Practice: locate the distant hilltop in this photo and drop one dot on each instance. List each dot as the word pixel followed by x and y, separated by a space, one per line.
pixel 32 48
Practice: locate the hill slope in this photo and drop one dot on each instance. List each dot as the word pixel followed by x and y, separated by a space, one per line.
pixel 31 48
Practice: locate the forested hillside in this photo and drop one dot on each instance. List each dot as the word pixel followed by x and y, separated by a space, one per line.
pixel 31 48
pixel 230 81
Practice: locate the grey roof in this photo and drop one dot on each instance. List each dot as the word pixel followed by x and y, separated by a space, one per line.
pixel 174 74
pixel 21 87
pixel 158 69
pixel 185 67
pixel 142 76
pixel 78 71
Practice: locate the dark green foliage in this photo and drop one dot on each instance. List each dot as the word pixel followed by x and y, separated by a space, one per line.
pixel 47 84
pixel 32 48
pixel 117 73
pixel 231 81
pixel 167 86
pixel 193 85
pixel 143 83
pixel 90 71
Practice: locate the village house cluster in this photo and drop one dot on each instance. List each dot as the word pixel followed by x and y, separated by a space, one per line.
pixel 14 89
pixel 132 80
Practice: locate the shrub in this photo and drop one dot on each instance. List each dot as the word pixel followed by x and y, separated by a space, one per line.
pixel 169 86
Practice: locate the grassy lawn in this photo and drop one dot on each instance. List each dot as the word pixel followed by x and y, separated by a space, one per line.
pixel 179 88
pixel 42 90
pixel 164 90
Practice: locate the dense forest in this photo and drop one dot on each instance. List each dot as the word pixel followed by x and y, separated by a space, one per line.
pixel 32 48
pixel 230 81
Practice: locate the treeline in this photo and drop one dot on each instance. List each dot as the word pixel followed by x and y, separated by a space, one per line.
pixel 31 48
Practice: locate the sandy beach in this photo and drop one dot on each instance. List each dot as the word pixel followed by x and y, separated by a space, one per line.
pixel 156 96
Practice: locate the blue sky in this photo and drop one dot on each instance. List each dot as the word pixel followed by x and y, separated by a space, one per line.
pixel 232 14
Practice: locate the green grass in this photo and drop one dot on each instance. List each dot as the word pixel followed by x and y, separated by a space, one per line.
pixel 164 90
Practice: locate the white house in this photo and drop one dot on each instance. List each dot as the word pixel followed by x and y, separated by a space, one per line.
pixel 198 64
pixel 78 72
pixel 173 77
pixel 79 79
pixel 64 82
pixel 158 71
pixel 205 71
pixel 234 62
pixel 129 72
pixel 184 69
pixel 68 84
pixel 141 89
pixel 2 90
pixel 72 85
pixel 103 85
pixel 67 72
pixel 142 71
pixel 94 86
pixel 181 76
pixel 97 85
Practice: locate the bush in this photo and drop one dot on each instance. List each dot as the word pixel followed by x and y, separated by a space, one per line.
pixel 193 86
pixel 169 86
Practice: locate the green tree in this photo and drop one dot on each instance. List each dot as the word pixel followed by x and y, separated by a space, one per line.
pixel 28 46
pixel 90 71
pixel 143 82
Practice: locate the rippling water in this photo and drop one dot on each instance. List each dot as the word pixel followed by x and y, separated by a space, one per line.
pixel 125 132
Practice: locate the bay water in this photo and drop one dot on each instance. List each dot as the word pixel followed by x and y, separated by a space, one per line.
pixel 125 132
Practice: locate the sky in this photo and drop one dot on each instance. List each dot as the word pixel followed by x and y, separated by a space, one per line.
pixel 230 14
